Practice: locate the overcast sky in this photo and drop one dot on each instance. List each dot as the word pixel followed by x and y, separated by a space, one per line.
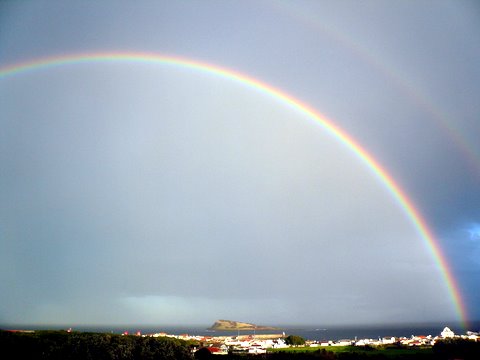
pixel 158 195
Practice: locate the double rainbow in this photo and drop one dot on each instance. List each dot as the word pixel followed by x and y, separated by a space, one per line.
pixel 381 173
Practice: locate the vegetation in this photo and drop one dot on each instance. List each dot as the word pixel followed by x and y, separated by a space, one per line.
pixel 457 349
pixel 442 350
pixel 61 345
pixel 356 352
pixel 294 340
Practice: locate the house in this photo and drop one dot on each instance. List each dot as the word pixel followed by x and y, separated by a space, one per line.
pixel 222 350
pixel 447 333
pixel 343 342
pixel 257 349
pixel 388 340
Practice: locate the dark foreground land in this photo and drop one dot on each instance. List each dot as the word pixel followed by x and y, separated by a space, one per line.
pixel 98 346
pixel 62 345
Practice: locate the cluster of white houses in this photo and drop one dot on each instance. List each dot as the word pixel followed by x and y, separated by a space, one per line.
pixel 221 345
pixel 259 345
pixel 414 340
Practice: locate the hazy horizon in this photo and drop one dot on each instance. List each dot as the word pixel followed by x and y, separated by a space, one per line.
pixel 453 324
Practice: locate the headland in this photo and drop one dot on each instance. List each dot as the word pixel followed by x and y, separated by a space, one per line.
pixel 230 325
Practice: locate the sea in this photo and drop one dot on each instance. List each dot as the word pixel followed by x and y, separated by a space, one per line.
pixel 308 332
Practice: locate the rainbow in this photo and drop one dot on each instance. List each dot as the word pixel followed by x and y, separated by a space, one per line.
pixel 400 80
pixel 405 203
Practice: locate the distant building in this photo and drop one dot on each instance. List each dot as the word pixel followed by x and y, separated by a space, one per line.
pixel 447 333
pixel 388 340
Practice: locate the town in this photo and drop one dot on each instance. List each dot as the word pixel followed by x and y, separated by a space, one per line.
pixel 260 344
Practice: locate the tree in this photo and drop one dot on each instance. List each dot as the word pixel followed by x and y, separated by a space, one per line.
pixel 60 345
pixel 203 353
pixel 294 340
pixel 457 349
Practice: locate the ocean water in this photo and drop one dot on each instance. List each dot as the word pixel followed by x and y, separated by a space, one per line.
pixel 320 332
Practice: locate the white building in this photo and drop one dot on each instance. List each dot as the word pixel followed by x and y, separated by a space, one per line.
pixel 447 333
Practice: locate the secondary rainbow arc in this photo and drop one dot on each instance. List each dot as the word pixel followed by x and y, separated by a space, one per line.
pixel 380 172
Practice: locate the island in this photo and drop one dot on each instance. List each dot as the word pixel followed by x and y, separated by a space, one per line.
pixel 229 325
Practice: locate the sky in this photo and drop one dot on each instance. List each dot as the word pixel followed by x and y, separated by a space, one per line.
pixel 158 194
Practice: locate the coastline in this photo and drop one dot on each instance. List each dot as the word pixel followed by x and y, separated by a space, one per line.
pixel 309 332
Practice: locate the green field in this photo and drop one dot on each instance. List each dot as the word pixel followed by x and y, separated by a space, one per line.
pixel 386 352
